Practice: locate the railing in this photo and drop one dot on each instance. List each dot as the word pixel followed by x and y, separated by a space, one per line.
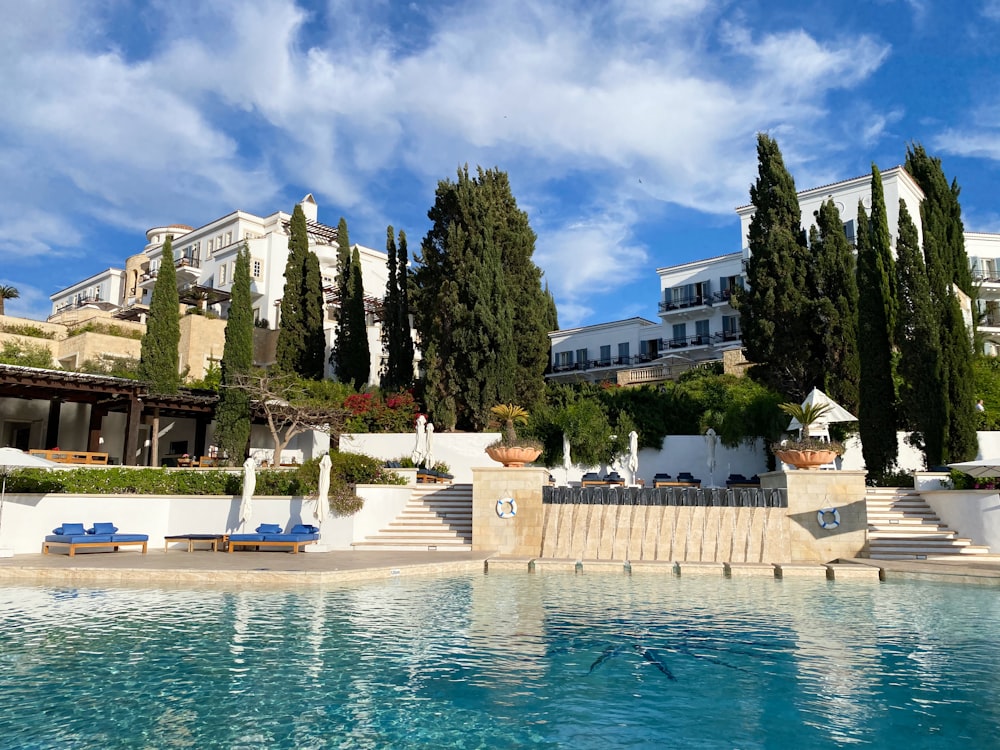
pixel 186 262
pixel 723 337
pixel 984 277
pixel 595 364
pixel 699 339
pixel 682 303
pixel 708 497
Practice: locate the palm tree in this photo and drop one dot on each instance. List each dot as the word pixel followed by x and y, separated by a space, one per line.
pixel 7 292
pixel 508 415
pixel 806 414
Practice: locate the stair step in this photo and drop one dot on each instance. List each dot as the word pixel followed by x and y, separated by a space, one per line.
pixel 902 526
pixel 436 517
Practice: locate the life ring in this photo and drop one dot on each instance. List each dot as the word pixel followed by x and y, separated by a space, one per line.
pixel 828 518
pixel 506 507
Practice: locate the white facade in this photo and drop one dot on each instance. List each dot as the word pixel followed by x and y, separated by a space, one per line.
pixel 697 322
pixel 205 260
pixel 102 291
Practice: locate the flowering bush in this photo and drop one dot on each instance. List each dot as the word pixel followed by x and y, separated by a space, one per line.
pixel 371 412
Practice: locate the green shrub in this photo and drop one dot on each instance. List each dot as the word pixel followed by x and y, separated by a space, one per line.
pixel 25 354
pixel 26 330
pixel 356 468
pixel 109 329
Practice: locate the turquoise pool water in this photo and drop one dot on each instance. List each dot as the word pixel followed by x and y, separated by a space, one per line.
pixel 504 661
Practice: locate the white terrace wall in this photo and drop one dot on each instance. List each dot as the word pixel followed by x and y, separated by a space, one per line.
pixel 28 518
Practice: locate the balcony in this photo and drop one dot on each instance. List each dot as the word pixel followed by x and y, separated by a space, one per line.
pixel 188 269
pixel 684 303
pixel 699 339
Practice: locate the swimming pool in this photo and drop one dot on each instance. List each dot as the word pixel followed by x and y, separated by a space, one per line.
pixel 504 661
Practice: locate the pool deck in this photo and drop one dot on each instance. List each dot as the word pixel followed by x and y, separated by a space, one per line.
pixel 204 567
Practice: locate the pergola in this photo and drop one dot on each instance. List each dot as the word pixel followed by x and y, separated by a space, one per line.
pixel 106 394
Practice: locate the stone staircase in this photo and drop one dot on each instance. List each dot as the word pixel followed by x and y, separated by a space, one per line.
pixel 437 517
pixel 902 526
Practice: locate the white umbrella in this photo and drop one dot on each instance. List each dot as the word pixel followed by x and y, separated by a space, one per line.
pixel 984 467
pixel 711 439
pixel 249 485
pixel 633 453
pixel 323 494
pixel 420 446
pixel 428 447
pixel 12 459
pixel 835 413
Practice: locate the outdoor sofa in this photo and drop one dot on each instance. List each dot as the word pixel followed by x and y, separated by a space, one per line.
pixel 270 535
pixel 73 536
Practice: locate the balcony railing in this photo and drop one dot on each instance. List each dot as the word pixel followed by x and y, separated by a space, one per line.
pixel 981 276
pixel 186 262
pixel 683 303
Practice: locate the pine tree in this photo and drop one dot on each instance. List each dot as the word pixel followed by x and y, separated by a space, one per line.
pixel 917 337
pixel 463 300
pixel 292 333
pixel 877 408
pixel 775 311
pixel 232 415
pixel 948 265
pixel 159 359
pixel 835 308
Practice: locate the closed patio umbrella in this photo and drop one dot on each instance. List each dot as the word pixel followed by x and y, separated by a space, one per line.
pixel 428 446
pixel 323 494
pixel 420 446
pixel 633 454
pixel 249 485
pixel 12 459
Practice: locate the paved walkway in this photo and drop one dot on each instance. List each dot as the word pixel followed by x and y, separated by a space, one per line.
pixel 204 567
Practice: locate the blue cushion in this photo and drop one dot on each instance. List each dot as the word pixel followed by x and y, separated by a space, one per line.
pixel 129 537
pixel 79 538
pixel 304 528
pixel 288 537
pixel 246 537
pixel 103 528
pixel 69 529
pixel 269 528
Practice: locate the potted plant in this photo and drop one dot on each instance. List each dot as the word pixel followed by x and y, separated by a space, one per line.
pixel 510 450
pixel 807 452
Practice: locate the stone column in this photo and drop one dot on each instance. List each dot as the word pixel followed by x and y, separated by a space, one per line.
pixel 519 535
pixel 810 492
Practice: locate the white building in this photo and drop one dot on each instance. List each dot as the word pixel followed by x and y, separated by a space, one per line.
pixel 697 323
pixel 205 259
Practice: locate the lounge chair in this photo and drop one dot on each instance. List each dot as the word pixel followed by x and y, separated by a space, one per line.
pixel 270 535
pixel 591 479
pixel 614 478
pixel 101 535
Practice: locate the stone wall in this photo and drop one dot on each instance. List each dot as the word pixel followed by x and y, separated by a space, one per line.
pixel 809 492
pixel 519 535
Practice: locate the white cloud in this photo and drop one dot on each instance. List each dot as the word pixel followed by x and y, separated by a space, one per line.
pixel 991 9
pixel 229 106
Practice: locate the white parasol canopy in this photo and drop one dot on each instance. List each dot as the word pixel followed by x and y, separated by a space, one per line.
pixel 835 413
pixel 428 446
pixel 633 453
pixel 12 459
pixel 711 440
pixel 249 486
pixel 983 467
pixel 323 495
pixel 420 446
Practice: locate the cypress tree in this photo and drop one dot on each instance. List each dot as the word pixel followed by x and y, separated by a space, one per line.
pixel 396 337
pixel 313 357
pixel 877 407
pixel 357 358
pixel 159 359
pixel 390 304
pixel 948 269
pixel 917 337
pixel 232 415
pixel 836 308
pixel 292 334
pixel 340 357
pixel 462 297
pixel 775 311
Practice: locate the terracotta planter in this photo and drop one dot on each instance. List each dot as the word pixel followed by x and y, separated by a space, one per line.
pixel 513 455
pixel 808 459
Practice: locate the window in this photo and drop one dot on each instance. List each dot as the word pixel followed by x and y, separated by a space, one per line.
pixel 849 231
pixel 222 274
pixel 680 336
pixel 730 328
pixel 605 355
pixel 623 353
pixel 564 359
pixel 701 331
pixel 649 349
pixel 728 284
pixel 581 357
pixel 257 268
pixel 229 238
pixel 211 246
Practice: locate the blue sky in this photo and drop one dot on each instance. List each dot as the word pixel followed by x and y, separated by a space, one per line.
pixel 627 126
